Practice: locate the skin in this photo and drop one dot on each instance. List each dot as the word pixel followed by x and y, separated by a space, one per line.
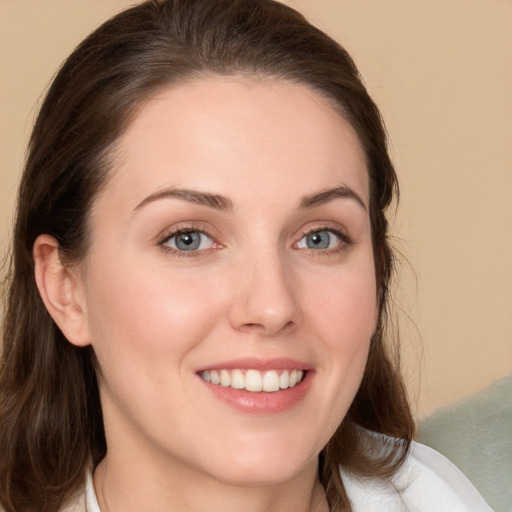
pixel 156 315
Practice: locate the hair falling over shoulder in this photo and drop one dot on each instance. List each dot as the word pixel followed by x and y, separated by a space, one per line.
pixel 51 426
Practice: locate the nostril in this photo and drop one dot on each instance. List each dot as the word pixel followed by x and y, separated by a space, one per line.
pixel 262 313
pixel 268 330
pixel 252 327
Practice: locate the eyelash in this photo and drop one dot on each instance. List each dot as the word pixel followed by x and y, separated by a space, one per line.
pixel 164 239
pixel 345 241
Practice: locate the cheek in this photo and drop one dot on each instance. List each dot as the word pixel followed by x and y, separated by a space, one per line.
pixel 345 307
pixel 341 315
pixel 344 313
pixel 139 315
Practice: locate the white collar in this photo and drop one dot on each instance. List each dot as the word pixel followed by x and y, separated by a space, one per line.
pixel 90 495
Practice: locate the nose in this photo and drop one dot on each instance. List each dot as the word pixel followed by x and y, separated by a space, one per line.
pixel 266 300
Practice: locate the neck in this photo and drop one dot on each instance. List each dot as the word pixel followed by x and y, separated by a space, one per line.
pixel 122 488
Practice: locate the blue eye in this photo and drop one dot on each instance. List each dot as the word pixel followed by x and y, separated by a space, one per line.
pixel 320 240
pixel 189 241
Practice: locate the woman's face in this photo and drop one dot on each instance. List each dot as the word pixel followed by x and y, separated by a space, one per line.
pixel 231 244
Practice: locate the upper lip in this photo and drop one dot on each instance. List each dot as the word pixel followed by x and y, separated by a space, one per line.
pixel 279 363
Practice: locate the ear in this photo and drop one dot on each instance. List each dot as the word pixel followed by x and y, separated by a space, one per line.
pixel 62 291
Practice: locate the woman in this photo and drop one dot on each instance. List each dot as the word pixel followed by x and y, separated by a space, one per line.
pixel 203 209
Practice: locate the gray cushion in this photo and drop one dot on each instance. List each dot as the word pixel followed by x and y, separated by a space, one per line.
pixel 475 433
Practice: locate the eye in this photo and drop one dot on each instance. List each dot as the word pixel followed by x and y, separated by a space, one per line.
pixel 323 239
pixel 188 241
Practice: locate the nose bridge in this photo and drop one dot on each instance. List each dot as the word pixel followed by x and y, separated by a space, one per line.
pixel 265 300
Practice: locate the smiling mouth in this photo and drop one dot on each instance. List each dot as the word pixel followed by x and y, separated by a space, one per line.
pixel 254 381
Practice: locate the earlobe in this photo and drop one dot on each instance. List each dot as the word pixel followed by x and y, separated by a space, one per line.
pixel 61 291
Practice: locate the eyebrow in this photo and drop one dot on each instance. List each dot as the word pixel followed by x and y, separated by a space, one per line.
pixel 325 196
pixel 192 196
pixel 223 203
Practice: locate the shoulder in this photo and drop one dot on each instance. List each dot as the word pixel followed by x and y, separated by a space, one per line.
pixel 427 482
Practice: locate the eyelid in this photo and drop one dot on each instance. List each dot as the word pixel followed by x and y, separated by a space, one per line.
pixel 184 232
pixel 312 227
pixel 180 226
pixel 337 230
pixel 186 227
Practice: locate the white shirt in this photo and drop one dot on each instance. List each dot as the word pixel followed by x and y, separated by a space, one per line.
pixel 427 482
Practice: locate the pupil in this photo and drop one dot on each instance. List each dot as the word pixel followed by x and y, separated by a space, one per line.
pixel 319 240
pixel 188 241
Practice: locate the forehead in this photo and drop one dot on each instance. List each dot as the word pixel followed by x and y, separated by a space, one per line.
pixel 217 132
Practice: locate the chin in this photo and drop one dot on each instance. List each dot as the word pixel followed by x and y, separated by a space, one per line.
pixel 261 467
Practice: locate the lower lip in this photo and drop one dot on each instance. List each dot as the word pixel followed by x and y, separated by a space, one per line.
pixel 262 403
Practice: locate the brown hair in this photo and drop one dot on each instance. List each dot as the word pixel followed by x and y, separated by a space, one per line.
pixel 50 413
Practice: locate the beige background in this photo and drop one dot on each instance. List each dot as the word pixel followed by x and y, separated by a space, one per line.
pixel 441 73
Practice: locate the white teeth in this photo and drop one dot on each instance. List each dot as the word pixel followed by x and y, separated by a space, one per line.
pixel 253 380
pixel 284 380
pixel 271 381
pixel 237 379
pixel 225 378
pixel 214 377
